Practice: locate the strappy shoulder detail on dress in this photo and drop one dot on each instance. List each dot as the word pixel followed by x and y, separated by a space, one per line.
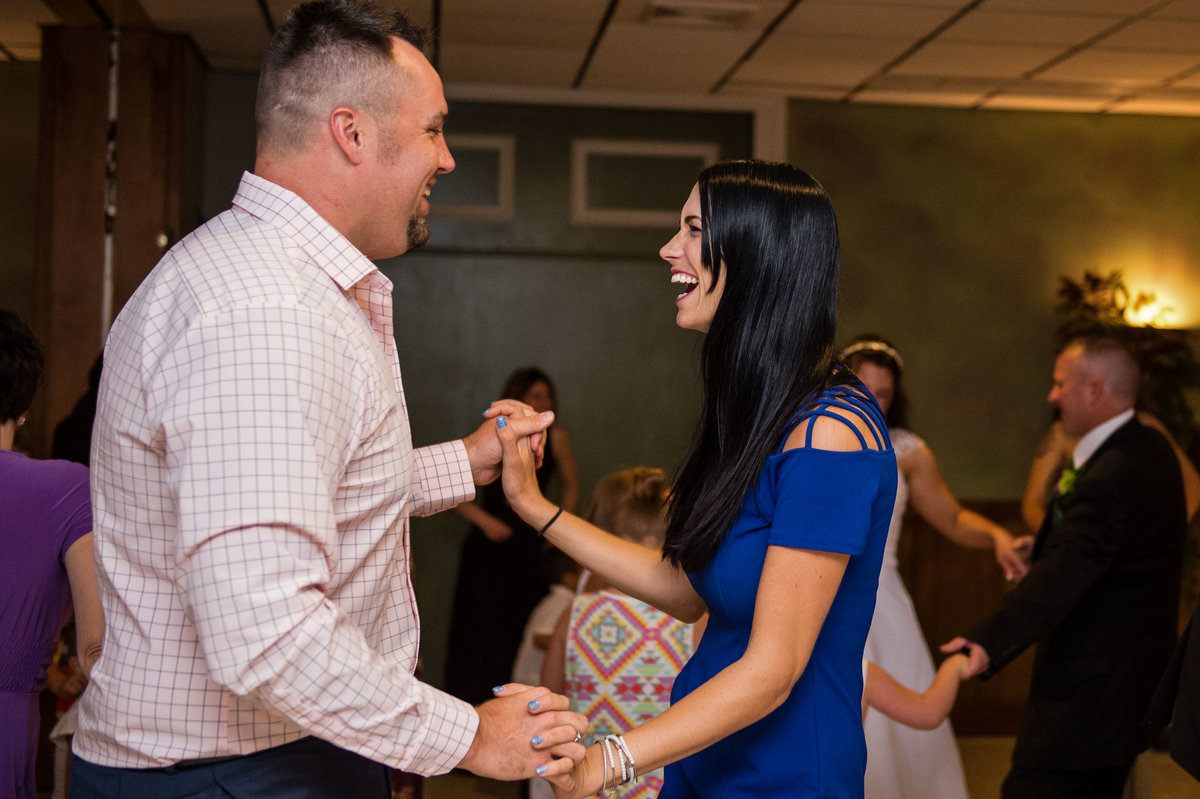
pixel 852 406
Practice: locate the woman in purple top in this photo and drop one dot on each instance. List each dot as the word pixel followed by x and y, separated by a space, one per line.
pixel 45 534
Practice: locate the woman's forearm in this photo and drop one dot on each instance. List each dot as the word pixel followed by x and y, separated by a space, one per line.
pixel 635 569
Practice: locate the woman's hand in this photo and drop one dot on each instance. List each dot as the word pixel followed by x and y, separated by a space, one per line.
pixel 583 780
pixel 519 475
pixel 1012 556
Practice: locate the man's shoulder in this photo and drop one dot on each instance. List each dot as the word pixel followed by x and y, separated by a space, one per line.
pixel 232 260
pixel 1134 440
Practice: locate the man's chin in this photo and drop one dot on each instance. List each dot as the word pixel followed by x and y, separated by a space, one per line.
pixel 418 233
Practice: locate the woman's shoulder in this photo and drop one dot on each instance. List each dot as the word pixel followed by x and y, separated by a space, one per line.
pixel 842 418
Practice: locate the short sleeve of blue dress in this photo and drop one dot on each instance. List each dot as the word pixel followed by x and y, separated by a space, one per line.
pixel 806 498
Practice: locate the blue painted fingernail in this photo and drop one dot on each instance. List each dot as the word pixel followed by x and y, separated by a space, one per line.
pixel 540 770
pixel 501 421
pixel 498 689
pixel 537 739
pixel 535 704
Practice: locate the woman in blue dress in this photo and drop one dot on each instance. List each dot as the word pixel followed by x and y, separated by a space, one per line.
pixel 778 516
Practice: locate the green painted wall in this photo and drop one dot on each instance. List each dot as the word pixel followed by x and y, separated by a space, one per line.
pixel 955 228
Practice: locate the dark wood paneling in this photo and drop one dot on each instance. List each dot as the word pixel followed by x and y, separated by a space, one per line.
pixel 69 252
pixel 155 190
pixel 953 587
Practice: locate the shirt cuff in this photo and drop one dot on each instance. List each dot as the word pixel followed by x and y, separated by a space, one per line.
pixel 444 478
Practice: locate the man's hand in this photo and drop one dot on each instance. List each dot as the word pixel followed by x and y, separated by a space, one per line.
pixel 977 656
pixel 483 450
pixel 526 732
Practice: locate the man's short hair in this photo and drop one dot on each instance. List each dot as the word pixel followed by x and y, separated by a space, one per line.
pixel 1112 362
pixel 325 54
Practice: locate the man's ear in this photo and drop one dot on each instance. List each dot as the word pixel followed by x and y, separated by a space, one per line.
pixel 347 127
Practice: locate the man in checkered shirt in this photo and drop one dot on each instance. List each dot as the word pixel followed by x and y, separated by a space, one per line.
pixel 253 471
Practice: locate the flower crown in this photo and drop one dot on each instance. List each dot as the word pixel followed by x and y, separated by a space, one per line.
pixel 873 346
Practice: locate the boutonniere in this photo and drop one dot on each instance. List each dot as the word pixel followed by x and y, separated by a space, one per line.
pixel 1066 481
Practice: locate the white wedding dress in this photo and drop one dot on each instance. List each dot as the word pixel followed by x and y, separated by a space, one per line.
pixel 902 762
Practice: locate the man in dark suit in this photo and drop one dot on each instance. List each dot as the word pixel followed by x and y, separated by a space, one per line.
pixel 1100 598
pixel 1178 699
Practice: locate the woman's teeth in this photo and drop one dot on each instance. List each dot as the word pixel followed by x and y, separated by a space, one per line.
pixel 686 280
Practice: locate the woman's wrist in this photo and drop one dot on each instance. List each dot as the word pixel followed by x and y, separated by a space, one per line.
pixel 535 510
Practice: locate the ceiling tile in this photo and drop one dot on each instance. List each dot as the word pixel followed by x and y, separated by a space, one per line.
pixel 25 36
pixel 587 11
pixel 1123 68
pixel 1013 27
pixel 519 32
pixel 976 60
pixel 1178 36
pixel 507 65
pixel 1159 107
pixel 1030 102
pixel 943 99
pixel 1180 9
pixel 757 13
pixel 855 19
pixel 1102 7
pixel 691 60
pixel 828 60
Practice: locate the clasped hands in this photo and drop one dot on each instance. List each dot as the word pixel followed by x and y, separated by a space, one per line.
pixel 484 450
pixel 524 731
pixel 977 657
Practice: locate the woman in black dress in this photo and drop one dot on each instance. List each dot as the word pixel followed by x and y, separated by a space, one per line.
pixel 500 577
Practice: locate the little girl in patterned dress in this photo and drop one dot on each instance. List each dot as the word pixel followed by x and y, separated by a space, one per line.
pixel 613 656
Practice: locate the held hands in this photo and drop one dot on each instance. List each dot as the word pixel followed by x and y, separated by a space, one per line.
pixel 483 448
pixel 977 656
pixel 519 472
pixel 527 732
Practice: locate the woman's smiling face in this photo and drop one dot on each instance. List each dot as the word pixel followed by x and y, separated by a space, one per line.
pixel 698 302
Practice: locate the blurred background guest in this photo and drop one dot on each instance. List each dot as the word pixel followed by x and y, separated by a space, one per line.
pixel 47 568
pixel 500 575
pixel 613 656
pixel 902 762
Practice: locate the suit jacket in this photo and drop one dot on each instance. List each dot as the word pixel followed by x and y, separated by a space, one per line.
pixel 1178 699
pixel 1100 600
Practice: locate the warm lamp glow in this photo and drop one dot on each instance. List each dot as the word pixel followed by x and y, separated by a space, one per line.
pixel 1164 274
pixel 1143 311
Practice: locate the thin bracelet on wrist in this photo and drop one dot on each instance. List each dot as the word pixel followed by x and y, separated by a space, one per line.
pixel 546 526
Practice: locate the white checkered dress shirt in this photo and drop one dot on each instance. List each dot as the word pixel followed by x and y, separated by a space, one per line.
pixel 252 478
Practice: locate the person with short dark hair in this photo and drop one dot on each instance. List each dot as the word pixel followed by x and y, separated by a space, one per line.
pixel 254 470
pixel 777 519
pixel 1101 596
pixel 47 571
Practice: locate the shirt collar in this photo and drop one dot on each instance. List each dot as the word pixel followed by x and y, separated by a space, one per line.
pixel 287 211
pixel 1092 439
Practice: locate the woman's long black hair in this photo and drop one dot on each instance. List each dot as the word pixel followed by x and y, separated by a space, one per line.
pixel 769 348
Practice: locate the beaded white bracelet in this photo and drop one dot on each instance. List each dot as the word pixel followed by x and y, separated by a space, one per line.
pixel 604 759
pixel 622 753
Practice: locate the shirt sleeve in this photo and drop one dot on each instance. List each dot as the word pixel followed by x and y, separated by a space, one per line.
pixel 1083 546
pixel 255 473
pixel 73 505
pixel 824 500
pixel 443 478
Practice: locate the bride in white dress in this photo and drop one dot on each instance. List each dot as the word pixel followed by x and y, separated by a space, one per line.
pixel 904 763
